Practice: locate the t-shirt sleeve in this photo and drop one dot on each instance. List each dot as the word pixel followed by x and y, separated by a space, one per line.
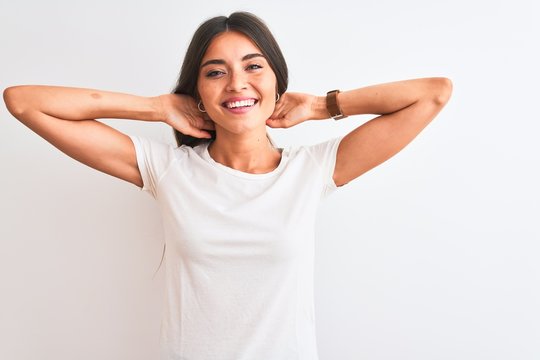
pixel 325 154
pixel 153 160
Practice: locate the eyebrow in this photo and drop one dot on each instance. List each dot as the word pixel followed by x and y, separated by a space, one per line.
pixel 222 62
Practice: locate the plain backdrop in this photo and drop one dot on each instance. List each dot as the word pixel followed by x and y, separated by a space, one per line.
pixel 431 255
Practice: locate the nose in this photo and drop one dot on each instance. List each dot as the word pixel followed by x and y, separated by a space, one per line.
pixel 237 81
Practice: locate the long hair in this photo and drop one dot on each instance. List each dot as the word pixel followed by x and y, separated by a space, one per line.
pixel 245 23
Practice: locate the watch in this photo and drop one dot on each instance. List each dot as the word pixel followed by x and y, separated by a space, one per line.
pixel 332 105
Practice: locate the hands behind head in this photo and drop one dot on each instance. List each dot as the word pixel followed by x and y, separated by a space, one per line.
pixel 292 109
pixel 181 112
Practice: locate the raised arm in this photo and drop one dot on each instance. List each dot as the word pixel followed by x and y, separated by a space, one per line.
pixel 65 117
pixel 406 108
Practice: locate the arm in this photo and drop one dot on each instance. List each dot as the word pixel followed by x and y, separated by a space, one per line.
pixel 405 108
pixel 65 117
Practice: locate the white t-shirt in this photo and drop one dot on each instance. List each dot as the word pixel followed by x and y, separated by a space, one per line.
pixel 239 251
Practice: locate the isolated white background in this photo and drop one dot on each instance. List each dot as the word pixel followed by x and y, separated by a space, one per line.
pixel 432 255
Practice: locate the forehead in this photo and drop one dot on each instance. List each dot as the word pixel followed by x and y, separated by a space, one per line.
pixel 230 45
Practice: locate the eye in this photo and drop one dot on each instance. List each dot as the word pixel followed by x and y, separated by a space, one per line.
pixel 254 67
pixel 214 73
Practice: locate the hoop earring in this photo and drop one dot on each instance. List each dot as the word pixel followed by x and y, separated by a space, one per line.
pixel 277 99
pixel 199 105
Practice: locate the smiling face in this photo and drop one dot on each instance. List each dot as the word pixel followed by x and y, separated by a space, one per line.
pixel 236 84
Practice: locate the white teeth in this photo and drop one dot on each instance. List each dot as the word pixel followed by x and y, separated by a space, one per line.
pixel 235 104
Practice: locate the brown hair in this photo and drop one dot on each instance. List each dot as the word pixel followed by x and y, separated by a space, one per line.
pixel 249 25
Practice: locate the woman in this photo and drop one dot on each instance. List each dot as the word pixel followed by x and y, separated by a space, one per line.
pixel 238 212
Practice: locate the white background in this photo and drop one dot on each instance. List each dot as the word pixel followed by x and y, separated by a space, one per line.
pixel 431 255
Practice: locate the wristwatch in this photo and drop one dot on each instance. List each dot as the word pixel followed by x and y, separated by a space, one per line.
pixel 332 105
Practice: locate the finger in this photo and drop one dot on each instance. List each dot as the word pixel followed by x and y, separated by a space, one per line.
pixel 198 133
pixel 277 111
pixel 206 117
pixel 278 114
pixel 201 123
pixel 209 125
pixel 276 123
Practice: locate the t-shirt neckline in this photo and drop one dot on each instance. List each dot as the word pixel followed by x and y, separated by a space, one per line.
pixel 242 174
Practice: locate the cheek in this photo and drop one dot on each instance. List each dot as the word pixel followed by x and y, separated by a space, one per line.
pixel 269 95
pixel 206 92
pixel 271 85
pixel 269 105
pixel 201 87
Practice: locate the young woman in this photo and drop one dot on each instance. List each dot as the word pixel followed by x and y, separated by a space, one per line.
pixel 238 212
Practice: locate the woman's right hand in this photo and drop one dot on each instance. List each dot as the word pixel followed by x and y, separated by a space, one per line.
pixel 181 112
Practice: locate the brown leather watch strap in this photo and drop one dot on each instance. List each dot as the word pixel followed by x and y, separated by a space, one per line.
pixel 332 105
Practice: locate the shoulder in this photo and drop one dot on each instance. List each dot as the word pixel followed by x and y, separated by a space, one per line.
pixel 156 153
pixel 320 150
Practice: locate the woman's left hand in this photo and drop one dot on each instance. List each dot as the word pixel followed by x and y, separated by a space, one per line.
pixel 292 109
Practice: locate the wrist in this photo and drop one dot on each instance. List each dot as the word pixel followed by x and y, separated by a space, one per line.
pixel 318 108
pixel 333 105
pixel 158 104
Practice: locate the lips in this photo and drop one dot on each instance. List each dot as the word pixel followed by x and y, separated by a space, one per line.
pixel 239 102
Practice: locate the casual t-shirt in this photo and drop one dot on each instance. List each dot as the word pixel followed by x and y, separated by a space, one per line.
pixel 239 251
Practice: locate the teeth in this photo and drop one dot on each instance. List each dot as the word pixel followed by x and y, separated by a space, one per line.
pixel 235 104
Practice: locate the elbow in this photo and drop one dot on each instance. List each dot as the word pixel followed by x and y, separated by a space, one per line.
pixel 12 100
pixel 442 90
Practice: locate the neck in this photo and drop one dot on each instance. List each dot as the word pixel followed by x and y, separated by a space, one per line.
pixel 252 154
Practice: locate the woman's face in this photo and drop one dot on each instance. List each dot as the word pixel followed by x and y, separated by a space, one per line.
pixel 236 84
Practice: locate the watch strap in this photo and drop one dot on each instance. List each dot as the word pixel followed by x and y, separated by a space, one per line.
pixel 332 105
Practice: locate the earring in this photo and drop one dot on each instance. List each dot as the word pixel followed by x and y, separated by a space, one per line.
pixel 200 106
pixel 277 99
